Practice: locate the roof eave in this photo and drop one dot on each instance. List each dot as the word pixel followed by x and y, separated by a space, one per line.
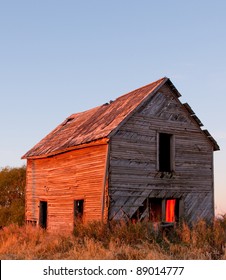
pixel 216 147
pixel 98 142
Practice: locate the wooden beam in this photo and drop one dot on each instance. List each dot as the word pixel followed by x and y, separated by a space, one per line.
pixel 163 210
pixel 107 158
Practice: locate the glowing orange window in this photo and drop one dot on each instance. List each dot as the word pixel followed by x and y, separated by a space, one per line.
pixel 170 210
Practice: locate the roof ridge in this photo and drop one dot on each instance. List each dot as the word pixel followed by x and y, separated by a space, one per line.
pixel 120 96
pixel 142 87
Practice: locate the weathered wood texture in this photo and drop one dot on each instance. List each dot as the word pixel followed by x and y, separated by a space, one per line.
pixel 66 177
pixel 108 157
pixel 134 174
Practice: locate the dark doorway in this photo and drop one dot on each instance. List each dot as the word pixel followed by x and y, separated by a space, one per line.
pixel 78 209
pixel 155 209
pixel 43 214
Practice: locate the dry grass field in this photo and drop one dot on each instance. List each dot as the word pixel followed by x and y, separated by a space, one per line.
pixel 116 241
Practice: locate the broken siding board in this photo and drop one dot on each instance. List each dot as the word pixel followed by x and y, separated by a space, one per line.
pixel 192 202
pixel 198 206
pixel 164 102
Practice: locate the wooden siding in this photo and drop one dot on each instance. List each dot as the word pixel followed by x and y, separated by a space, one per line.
pixel 108 156
pixel 66 177
pixel 134 174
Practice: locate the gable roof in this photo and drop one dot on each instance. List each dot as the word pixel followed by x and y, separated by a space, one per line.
pixel 96 123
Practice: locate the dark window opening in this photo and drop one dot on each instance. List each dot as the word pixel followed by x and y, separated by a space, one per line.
pixel 165 152
pixel 43 214
pixel 78 209
pixel 155 209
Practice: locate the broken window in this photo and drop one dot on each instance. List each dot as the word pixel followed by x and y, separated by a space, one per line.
pixel 43 214
pixel 78 209
pixel 165 152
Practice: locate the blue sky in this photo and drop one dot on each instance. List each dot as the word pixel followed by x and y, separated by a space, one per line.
pixel 61 57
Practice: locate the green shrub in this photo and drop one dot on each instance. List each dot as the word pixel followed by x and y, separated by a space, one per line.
pixel 12 195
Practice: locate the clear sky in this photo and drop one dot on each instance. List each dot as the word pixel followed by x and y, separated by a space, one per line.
pixel 61 57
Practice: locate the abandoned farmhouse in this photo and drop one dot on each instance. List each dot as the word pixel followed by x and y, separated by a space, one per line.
pixel 141 156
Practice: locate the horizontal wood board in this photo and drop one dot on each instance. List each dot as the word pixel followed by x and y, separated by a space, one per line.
pixel 133 169
pixel 60 180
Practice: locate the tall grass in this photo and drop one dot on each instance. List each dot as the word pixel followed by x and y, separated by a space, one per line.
pixel 116 241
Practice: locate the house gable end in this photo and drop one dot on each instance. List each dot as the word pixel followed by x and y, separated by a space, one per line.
pixel 136 176
pixel 163 104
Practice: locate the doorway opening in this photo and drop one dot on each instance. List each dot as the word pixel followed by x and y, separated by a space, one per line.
pixel 155 210
pixel 78 210
pixel 43 214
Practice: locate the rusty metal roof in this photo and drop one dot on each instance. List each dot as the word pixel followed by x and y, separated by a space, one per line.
pixel 96 123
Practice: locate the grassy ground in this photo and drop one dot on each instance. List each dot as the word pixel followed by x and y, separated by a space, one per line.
pixel 116 241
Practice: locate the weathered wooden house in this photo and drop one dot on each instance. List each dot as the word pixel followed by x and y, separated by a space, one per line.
pixel 142 156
